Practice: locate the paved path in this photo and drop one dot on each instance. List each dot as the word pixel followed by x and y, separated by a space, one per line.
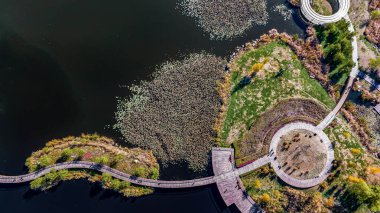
pixel 318 19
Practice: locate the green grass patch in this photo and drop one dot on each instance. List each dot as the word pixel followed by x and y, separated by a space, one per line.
pixel 289 79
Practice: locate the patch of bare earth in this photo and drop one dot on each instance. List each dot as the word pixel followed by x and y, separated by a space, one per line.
pixel 301 154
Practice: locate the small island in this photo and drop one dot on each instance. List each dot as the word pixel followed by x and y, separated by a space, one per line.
pixel 97 149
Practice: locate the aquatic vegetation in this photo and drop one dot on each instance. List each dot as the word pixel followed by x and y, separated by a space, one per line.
pixel 173 114
pixel 283 11
pixel 228 18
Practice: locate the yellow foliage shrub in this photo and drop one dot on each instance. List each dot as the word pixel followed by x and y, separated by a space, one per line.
pixel 355 151
pixel 354 179
pixel 373 170
pixel 257 67
pixel 329 203
pixel 347 134
pixel 265 198
pixel 257 184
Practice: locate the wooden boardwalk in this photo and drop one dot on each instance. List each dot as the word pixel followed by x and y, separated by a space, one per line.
pixel 228 182
pixel 226 177
pixel 113 172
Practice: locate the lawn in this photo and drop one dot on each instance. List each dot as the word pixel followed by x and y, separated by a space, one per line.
pixel 282 77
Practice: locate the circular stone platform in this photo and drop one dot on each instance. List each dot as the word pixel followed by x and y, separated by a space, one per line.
pixel 301 154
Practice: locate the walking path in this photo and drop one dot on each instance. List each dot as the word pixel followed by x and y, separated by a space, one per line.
pixel 222 165
pixel 226 177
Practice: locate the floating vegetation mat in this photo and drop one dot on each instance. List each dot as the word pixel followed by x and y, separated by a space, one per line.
pixel 173 114
pixel 226 19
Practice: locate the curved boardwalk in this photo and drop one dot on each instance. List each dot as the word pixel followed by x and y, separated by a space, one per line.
pixel 226 177
pixel 316 18
pixel 114 173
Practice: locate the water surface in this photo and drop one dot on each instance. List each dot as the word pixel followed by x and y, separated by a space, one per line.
pixel 62 65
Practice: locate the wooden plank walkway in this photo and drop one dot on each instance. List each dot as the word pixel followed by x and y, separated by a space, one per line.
pixel 113 172
pixel 226 177
pixel 228 182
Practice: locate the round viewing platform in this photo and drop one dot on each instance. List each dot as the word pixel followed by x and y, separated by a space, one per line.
pixel 301 155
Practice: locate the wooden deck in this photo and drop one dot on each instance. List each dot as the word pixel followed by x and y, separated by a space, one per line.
pixel 226 177
pixel 228 182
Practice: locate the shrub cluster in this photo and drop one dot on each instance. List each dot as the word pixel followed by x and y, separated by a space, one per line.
pixel 336 42
pixel 173 114
pixel 226 19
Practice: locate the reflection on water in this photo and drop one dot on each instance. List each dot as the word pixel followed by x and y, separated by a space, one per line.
pixel 63 62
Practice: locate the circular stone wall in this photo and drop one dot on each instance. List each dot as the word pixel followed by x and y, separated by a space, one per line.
pixel 301 154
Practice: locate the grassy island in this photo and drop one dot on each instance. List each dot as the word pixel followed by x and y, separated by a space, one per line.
pixel 98 149
pixel 267 83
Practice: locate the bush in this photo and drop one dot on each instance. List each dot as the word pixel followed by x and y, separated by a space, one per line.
pixel 48 180
pixel 355 151
pixel 66 154
pixel 115 184
pixel 154 173
pixel 103 160
pixel 265 198
pixel 124 185
pixel 365 195
pixel 45 161
pixel 336 43
pixel 106 178
pixel 140 172
pixel 375 14
pixel 257 184
pixel 374 63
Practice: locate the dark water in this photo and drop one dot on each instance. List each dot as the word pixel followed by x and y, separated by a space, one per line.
pixel 62 65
